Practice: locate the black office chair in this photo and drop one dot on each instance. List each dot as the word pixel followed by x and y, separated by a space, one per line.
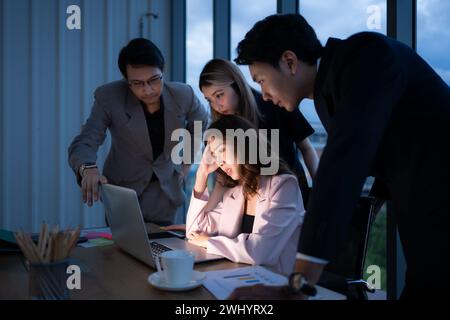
pixel 345 274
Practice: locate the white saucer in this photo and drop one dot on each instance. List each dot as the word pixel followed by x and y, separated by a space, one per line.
pixel 197 280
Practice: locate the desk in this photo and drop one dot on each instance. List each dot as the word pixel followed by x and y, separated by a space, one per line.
pixel 109 273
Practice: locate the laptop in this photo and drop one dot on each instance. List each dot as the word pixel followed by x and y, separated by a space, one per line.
pixel 130 233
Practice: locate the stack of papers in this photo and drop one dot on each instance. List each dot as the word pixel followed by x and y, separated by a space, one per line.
pixel 96 237
pixel 222 283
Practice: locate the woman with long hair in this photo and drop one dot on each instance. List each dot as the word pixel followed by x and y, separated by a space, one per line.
pixel 227 92
pixel 250 217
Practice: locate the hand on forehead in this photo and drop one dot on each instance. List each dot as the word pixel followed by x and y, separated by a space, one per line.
pixel 214 142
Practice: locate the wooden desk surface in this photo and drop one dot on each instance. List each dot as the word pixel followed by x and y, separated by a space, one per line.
pixel 109 273
pixel 106 273
pixel 13 277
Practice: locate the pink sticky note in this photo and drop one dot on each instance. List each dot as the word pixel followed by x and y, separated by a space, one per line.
pixel 95 235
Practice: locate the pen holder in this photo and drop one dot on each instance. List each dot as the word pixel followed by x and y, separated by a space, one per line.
pixel 48 281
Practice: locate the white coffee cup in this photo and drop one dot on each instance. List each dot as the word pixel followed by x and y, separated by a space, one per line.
pixel 176 267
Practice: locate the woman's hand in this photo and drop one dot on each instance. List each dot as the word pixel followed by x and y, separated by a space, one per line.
pixel 207 166
pixel 208 163
pixel 198 238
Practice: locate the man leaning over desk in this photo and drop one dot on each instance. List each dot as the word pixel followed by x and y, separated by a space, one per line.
pixel 141 112
pixel 387 115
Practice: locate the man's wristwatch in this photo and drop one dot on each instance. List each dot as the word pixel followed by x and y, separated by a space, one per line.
pixel 298 283
pixel 84 166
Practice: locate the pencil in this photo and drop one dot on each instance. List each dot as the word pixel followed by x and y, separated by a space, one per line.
pixel 53 244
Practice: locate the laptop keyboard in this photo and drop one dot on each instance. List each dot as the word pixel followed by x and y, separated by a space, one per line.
pixel 158 248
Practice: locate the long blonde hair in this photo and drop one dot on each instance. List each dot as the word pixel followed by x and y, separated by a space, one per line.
pixel 220 72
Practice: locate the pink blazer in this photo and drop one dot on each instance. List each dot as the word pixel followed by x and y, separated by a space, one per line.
pixel 276 229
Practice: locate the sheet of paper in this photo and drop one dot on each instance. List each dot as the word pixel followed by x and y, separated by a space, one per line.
pixel 96 243
pixel 221 283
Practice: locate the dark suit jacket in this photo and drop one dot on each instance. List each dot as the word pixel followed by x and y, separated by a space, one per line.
pixel 387 114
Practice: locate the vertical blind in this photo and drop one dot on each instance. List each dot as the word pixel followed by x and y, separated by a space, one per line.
pixel 48 76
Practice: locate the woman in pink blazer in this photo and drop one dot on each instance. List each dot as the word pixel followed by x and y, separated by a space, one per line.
pixel 249 217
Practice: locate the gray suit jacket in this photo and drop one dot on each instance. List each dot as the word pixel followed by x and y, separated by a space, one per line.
pixel 130 160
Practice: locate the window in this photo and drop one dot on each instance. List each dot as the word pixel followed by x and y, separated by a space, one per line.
pixel 199 50
pixel 342 18
pixel 433 35
pixel 243 17
pixel 199 40
pixel 339 19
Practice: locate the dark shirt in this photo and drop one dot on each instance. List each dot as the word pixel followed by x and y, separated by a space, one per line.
pixel 293 128
pixel 247 223
pixel 155 126
pixel 387 114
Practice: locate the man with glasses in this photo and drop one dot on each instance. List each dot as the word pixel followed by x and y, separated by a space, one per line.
pixel 141 111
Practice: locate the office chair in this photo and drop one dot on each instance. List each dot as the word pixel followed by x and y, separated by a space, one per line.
pixel 345 274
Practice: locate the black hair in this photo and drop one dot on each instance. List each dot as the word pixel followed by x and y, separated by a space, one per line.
pixel 275 34
pixel 140 52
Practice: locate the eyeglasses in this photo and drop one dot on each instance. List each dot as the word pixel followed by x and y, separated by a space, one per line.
pixel 154 83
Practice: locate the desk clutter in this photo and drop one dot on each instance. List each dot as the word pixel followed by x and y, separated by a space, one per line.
pixel 52 245
pixel 96 237
pixel 51 280
pixel 221 283
pixel 48 260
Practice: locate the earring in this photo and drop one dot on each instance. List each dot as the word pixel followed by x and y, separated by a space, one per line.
pixel 290 68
